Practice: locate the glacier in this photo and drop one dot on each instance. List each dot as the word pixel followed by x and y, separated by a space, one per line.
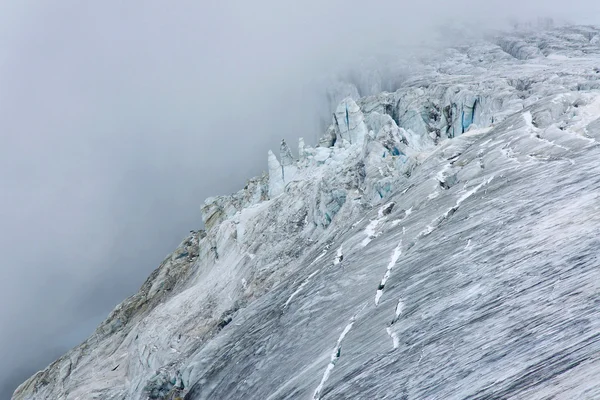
pixel 439 242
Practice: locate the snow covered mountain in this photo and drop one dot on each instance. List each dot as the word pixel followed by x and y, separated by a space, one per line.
pixel 441 241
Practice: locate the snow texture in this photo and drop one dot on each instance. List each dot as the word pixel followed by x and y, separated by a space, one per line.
pixel 474 189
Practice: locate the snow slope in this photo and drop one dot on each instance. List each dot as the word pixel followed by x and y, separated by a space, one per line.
pixel 440 242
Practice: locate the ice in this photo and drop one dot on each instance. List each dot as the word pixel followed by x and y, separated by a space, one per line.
pixel 399 307
pixel 348 119
pixel 371 231
pixel 394 336
pixel 302 285
pixel 334 357
pixel 338 257
pixel 276 182
pixel 496 274
pixel 288 163
pixel 394 258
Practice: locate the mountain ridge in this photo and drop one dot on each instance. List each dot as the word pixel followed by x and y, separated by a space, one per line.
pixel 296 275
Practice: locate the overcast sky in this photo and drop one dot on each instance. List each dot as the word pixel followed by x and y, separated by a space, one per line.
pixel 117 119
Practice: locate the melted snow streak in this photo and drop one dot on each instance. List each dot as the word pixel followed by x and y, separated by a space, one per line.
pixel 390 330
pixel 371 229
pixel 436 222
pixel 335 355
pixel 394 336
pixel 338 257
pixel 398 251
pixel 395 255
pixel 302 285
pixel 399 308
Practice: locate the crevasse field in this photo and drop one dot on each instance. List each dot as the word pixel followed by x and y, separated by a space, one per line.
pixel 439 242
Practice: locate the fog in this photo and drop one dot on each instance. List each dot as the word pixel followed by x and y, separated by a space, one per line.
pixel 118 118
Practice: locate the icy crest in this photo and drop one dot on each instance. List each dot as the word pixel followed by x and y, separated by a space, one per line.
pixel 407 195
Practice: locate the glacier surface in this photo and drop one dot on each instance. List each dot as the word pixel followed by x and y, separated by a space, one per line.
pixel 440 241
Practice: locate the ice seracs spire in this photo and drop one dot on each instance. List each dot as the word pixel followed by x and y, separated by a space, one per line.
pixel 276 183
pixel 281 172
pixel 301 153
pixel 349 120
pixel 285 154
pixel 288 162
